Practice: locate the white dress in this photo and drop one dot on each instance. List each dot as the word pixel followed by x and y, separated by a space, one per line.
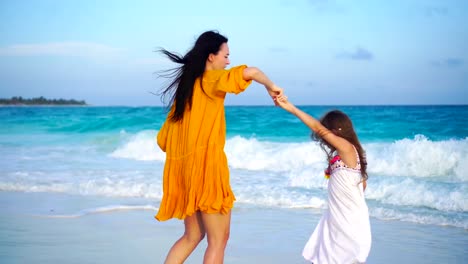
pixel 343 235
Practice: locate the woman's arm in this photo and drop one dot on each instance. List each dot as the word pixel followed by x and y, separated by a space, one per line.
pixel 253 73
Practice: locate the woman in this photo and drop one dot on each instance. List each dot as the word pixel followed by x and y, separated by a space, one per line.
pixel 196 176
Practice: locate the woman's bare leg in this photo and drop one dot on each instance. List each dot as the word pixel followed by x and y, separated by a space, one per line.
pixel 194 233
pixel 217 228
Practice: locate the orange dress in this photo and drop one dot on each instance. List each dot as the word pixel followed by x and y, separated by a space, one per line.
pixel 196 173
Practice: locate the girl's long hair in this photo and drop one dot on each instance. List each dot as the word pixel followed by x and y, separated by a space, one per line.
pixel 342 126
pixel 192 66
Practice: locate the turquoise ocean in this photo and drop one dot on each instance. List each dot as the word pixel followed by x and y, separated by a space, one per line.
pixel 417 158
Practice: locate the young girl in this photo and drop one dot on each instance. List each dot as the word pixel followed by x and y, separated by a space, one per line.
pixel 343 234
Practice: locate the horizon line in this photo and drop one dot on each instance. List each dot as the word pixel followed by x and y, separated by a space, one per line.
pixel 231 105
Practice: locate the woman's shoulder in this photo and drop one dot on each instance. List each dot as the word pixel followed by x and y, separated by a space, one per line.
pixel 227 81
pixel 214 75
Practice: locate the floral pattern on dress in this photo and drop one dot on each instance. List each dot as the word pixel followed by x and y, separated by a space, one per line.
pixel 337 163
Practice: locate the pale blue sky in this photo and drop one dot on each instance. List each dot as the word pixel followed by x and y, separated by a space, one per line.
pixel 320 51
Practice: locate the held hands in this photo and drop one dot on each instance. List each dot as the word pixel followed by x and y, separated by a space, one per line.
pixel 274 91
pixel 282 101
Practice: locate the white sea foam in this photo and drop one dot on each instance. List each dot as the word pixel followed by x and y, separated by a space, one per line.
pixel 420 218
pixel 417 157
pixel 277 196
pixel 405 175
pixel 87 183
pixel 141 146
pixel 102 210
pixel 410 192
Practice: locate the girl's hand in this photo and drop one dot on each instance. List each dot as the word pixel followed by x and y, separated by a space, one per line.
pixel 283 102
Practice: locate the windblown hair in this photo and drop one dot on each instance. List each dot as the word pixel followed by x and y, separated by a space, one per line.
pixel 192 66
pixel 342 126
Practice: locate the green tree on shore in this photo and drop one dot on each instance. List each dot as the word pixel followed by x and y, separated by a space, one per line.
pixel 18 100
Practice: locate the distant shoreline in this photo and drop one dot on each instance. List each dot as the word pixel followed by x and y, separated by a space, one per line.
pixel 40 101
pixel 44 105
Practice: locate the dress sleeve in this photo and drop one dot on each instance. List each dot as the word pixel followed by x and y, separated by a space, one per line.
pixel 161 139
pixel 231 81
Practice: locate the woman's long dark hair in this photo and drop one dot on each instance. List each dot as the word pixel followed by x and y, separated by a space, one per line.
pixel 342 126
pixel 180 89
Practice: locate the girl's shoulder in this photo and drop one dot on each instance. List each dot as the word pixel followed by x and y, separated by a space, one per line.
pixel 350 157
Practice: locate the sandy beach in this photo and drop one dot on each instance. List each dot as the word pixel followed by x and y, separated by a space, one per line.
pixel 60 228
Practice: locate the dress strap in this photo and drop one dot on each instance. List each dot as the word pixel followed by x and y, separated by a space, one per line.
pixel 358 161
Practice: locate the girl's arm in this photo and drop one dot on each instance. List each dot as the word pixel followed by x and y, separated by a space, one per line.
pixel 339 143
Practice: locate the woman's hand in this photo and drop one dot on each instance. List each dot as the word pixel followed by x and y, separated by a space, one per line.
pixel 253 73
pixel 274 91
